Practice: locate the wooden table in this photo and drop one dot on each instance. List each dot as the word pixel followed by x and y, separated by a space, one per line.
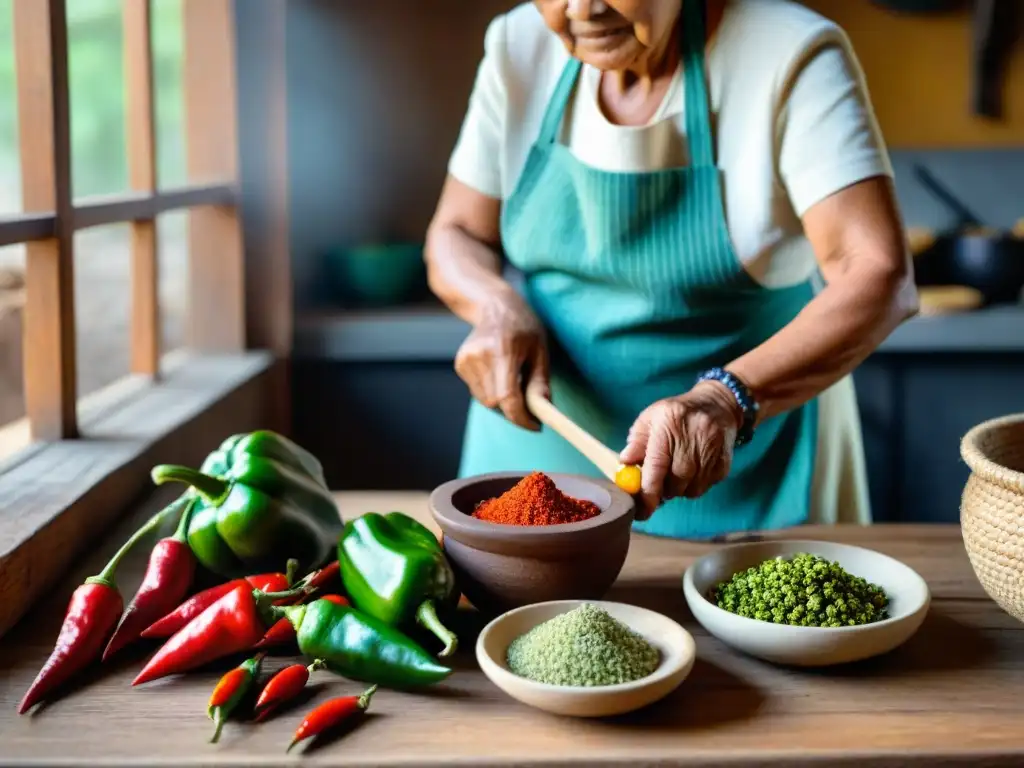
pixel 952 695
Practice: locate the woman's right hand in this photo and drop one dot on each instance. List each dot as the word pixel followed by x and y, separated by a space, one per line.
pixel 506 345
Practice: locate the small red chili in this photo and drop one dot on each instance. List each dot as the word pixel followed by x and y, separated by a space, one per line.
pixel 199 602
pixel 234 623
pixel 317 580
pixel 92 614
pixel 168 577
pixel 229 692
pixel 283 632
pixel 325 575
pixel 285 685
pixel 90 619
pixel 330 714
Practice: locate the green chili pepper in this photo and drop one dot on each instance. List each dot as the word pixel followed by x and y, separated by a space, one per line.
pixel 361 647
pixel 259 507
pixel 394 570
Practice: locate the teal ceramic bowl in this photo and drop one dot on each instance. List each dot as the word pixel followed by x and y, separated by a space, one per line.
pixel 378 275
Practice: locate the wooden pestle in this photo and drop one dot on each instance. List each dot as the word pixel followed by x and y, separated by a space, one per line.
pixel 592 449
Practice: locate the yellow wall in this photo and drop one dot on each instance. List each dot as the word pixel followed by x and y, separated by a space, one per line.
pixel 919 71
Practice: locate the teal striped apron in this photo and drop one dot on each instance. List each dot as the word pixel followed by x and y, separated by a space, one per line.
pixel 635 279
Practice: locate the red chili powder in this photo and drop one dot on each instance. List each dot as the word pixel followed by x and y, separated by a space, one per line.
pixel 535 500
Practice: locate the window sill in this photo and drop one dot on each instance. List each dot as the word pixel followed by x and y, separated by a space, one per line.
pixel 59 497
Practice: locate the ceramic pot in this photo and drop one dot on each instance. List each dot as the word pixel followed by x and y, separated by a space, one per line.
pixel 502 567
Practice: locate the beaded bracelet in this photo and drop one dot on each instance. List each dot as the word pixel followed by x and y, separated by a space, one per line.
pixel 744 398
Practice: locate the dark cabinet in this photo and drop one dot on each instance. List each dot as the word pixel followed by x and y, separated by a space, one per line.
pixel 915 409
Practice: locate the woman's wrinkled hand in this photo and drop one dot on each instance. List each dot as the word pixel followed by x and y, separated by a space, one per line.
pixel 507 343
pixel 684 443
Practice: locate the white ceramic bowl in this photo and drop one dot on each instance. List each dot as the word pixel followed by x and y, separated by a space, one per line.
pixel 674 643
pixel 809 646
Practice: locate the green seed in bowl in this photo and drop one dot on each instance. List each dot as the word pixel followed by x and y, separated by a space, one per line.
pixel 802 591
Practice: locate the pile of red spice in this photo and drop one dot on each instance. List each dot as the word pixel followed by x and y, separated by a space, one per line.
pixel 535 500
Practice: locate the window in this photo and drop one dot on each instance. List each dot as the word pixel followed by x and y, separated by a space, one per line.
pixel 67 206
pixel 157 214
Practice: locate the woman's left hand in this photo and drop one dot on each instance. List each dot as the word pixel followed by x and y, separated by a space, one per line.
pixel 684 443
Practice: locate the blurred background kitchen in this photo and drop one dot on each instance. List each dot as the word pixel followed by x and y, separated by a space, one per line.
pixel 376 95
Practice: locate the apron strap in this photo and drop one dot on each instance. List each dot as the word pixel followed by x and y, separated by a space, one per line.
pixel 698 109
pixel 559 101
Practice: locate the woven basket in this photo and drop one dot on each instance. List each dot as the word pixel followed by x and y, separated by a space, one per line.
pixel 992 509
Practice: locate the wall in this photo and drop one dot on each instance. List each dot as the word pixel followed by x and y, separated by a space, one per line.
pixel 376 92
pixel 919 70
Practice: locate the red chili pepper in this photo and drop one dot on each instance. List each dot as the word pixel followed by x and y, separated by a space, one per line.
pixel 195 605
pixel 325 575
pixel 283 686
pixel 229 692
pixel 318 580
pixel 283 632
pixel 91 616
pixel 168 577
pixel 330 714
pixel 233 624
pixel 280 634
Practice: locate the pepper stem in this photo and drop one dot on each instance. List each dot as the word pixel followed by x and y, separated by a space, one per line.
pixel 271 613
pixel 364 700
pixel 181 533
pixel 275 596
pixel 218 719
pixel 211 488
pixel 317 664
pixel 291 570
pixel 109 572
pixel 427 616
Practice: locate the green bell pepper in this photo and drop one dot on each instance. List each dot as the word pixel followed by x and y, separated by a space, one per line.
pixel 393 569
pixel 360 647
pixel 259 506
pixel 268 445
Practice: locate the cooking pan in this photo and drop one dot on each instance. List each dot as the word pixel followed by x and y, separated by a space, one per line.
pixel 990 261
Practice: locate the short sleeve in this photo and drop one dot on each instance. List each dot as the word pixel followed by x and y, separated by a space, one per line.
pixel 828 137
pixel 477 157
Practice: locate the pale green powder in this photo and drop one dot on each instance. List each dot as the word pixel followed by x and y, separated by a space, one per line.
pixel 584 647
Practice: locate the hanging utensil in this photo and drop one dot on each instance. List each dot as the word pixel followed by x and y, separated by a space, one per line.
pixel 966 218
pixel 996 27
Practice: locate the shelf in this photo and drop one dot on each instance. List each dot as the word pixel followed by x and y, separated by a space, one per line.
pixel 997 329
pixel 430 333
pixel 418 333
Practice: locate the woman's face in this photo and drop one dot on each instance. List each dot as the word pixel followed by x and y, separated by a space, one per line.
pixel 611 34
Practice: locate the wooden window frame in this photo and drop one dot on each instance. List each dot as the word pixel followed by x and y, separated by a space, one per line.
pixel 89 459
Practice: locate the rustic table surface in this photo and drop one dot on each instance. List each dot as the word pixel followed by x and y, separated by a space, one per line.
pixel 949 696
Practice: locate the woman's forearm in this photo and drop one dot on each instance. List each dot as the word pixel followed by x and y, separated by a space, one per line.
pixel 833 334
pixel 463 272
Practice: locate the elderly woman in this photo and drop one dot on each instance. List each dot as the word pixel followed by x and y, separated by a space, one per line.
pixel 669 178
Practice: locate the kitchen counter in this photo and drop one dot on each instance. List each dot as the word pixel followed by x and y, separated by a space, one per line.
pixel 949 696
pixel 431 333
